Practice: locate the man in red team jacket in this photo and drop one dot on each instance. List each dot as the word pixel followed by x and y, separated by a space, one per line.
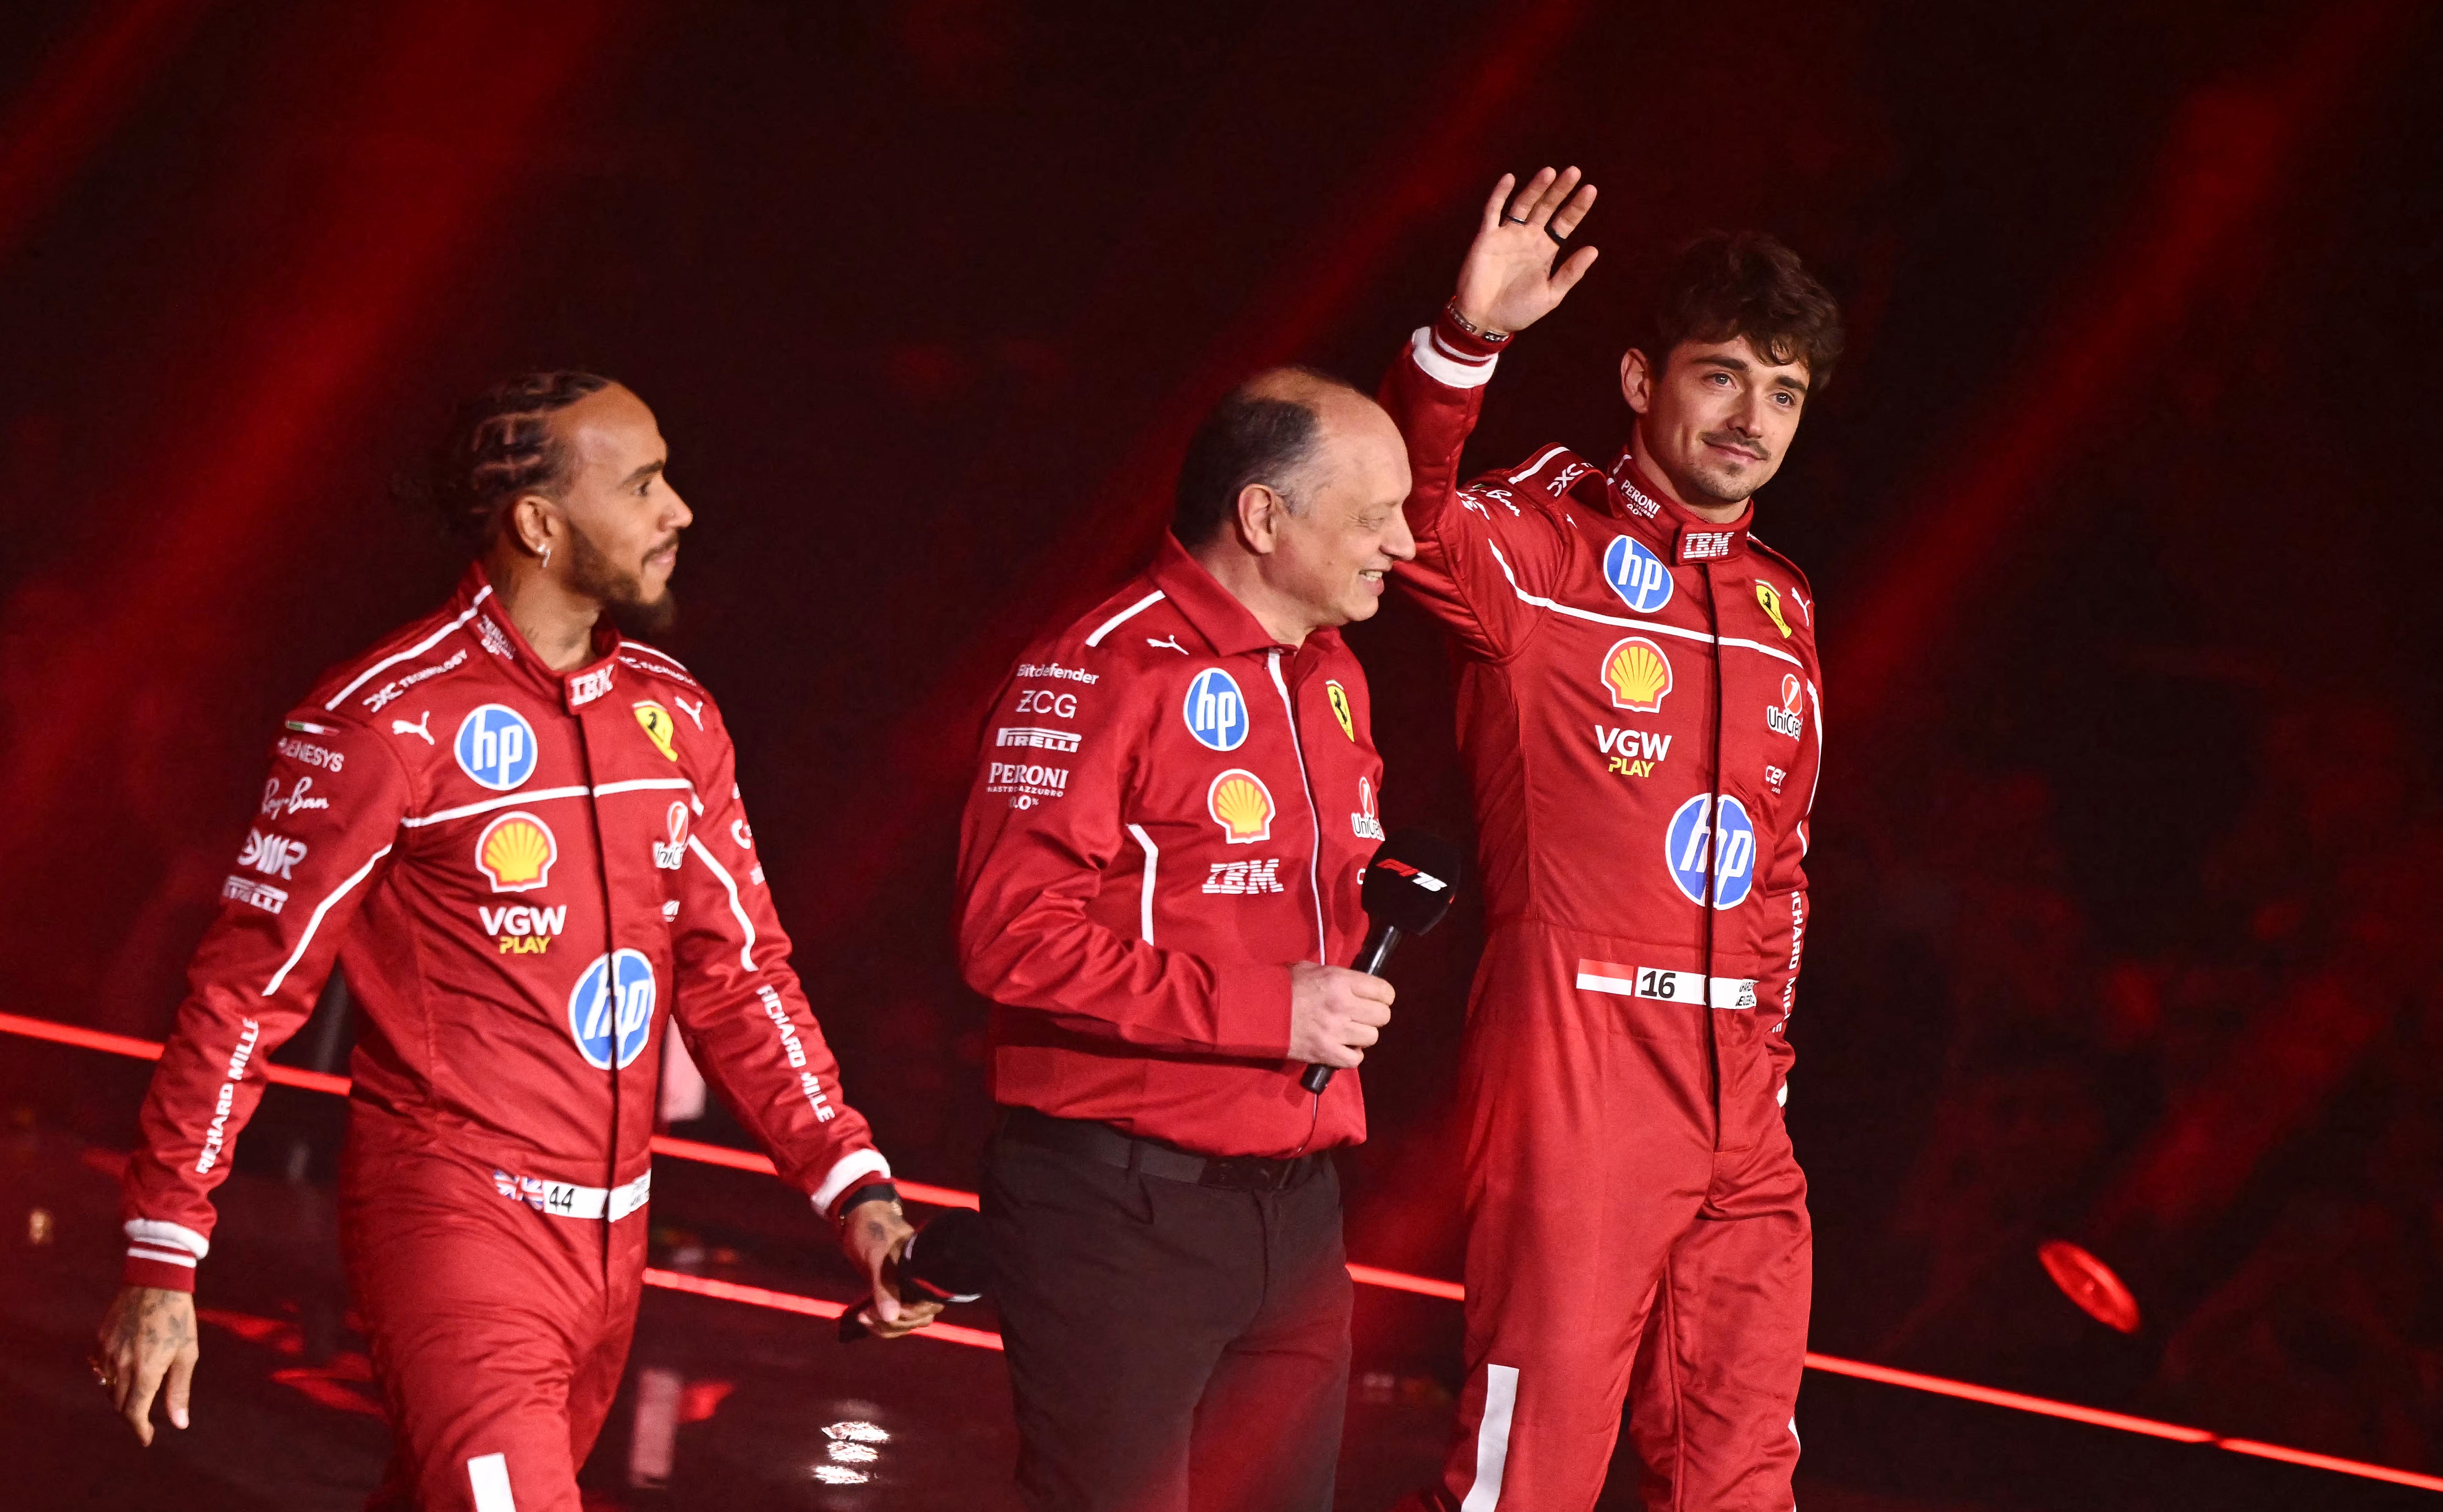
pixel 1640 713
pixel 521 836
pixel 1158 869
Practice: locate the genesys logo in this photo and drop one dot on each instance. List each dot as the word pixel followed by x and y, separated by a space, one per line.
pixel 611 1008
pixel 1791 718
pixel 1242 805
pixel 496 747
pixel 271 854
pixel 1215 712
pixel 311 754
pixel 524 930
pixel 516 852
pixel 669 853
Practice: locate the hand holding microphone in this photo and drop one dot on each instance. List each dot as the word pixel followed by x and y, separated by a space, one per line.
pixel 1334 1014
pixel 949 1260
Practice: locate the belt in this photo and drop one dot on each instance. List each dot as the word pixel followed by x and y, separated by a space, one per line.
pixel 563 1199
pixel 1665 986
pixel 1103 1143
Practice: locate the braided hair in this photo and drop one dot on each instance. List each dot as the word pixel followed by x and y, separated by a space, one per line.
pixel 500 446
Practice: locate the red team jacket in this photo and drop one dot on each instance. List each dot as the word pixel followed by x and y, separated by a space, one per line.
pixel 1169 807
pixel 526 876
pixel 1639 701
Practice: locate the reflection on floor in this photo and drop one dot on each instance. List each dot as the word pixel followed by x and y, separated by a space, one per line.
pixel 740 1408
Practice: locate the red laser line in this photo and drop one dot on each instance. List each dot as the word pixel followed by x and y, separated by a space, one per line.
pixel 1365 1275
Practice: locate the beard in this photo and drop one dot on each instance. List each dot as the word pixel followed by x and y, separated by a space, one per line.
pixel 620 592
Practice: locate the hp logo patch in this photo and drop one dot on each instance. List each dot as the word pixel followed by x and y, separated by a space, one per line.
pixel 1216 715
pixel 496 747
pixel 1688 844
pixel 591 1009
pixel 1637 574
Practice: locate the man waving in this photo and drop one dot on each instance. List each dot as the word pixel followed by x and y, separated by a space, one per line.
pixel 1640 714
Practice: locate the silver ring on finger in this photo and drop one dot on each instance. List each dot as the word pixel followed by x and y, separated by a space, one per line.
pixel 1513 220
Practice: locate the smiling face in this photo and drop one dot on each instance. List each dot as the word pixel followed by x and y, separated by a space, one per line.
pixel 1329 552
pixel 623 516
pixel 1716 421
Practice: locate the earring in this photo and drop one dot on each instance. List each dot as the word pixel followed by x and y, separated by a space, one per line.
pixel 547 554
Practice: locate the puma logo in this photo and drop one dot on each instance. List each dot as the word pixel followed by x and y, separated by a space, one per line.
pixel 1172 642
pixel 694 711
pixel 400 726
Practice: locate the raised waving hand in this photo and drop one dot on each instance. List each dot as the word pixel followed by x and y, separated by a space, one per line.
pixel 1508 282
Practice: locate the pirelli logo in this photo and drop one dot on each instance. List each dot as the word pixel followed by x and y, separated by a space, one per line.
pixel 1033 736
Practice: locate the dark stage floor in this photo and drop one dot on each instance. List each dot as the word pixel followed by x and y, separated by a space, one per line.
pixel 737 1407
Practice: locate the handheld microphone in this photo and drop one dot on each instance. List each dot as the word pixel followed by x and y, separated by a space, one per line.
pixel 1408 887
pixel 949 1260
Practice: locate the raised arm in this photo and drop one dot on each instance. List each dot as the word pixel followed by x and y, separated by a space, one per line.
pixel 1477 549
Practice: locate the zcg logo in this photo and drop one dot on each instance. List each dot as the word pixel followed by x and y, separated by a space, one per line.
pixel 600 1009
pixel 496 747
pixel 1688 847
pixel 1217 713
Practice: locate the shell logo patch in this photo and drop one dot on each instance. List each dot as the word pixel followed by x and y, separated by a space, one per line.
pixel 1242 805
pixel 1638 674
pixel 1339 697
pixel 1771 602
pixel 516 852
pixel 659 726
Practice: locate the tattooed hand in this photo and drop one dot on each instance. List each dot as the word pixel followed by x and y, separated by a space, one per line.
pixel 148 1336
pixel 873 1236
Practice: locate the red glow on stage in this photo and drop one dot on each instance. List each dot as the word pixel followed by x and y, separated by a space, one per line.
pixel 2090 1283
pixel 1365 1275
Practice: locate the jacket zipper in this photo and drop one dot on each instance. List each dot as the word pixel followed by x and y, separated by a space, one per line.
pixel 1314 817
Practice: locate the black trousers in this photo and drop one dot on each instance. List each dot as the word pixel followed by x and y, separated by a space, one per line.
pixel 1172 1347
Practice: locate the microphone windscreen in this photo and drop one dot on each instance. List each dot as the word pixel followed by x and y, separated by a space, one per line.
pixel 1412 880
pixel 950 1256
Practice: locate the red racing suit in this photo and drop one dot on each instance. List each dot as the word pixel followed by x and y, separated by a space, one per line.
pixel 1169 808
pixel 1639 713
pixel 526 876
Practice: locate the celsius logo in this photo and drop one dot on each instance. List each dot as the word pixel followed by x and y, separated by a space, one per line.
pixel 1216 715
pixel 1687 847
pixel 1790 718
pixel 496 747
pixel 596 1003
pixel 1637 574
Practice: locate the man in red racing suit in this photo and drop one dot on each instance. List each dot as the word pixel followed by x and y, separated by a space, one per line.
pixel 520 836
pixel 1639 712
